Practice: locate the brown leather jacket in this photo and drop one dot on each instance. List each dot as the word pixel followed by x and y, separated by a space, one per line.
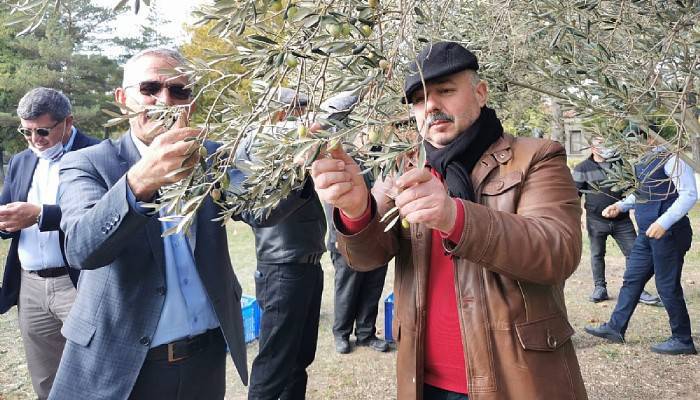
pixel 519 245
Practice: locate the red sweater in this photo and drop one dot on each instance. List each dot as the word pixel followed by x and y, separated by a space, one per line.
pixel 445 365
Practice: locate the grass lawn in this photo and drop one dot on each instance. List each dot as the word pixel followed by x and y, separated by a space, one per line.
pixel 627 371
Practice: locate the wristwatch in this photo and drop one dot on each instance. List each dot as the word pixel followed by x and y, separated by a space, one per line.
pixel 38 216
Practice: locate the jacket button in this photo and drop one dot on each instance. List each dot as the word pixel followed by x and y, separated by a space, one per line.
pixel 145 341
pixel 161 290
pixel 551 340
pixel 419 235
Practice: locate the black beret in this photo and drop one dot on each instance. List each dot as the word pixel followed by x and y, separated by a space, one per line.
pixel 438 60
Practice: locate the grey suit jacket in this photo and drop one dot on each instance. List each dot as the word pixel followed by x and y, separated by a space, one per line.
pixel 122 286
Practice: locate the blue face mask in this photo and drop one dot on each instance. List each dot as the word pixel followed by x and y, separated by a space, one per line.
pixel 606 152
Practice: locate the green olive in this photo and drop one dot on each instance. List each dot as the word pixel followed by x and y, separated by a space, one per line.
pixel 215 194
pixel 373 136
pixel 292 61
pixel 203 152
pixel 333 30
pixel 292 12
pixel 333 145
pixel 366 30
pixel 405 224
pixel 276 6
pixel 302 132
pixel 372 3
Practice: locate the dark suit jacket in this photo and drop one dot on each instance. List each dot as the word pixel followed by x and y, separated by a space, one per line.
pixel 20 171
pixel 122 286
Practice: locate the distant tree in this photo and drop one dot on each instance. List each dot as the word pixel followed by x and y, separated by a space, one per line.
pixel 50 58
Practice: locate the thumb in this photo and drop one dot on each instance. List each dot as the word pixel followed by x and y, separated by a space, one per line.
pixel 338 153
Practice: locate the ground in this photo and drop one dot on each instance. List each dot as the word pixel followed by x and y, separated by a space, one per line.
pixel 610 371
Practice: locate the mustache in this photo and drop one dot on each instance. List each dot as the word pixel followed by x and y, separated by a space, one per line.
pixel 438 116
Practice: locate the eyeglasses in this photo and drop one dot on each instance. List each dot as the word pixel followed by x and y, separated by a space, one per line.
pixel 152 88
pixel 27 132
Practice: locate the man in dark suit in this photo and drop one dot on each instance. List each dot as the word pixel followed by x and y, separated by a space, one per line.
pixel 154 315
pixel 37 277
pixel 288 280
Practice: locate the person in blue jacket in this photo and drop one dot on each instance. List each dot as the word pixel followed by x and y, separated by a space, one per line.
pixel 666 193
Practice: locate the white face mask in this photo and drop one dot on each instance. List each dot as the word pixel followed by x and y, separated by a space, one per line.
pixel 54 152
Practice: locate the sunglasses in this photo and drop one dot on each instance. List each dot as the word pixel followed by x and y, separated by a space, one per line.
pixel 177 90
pixel 44 132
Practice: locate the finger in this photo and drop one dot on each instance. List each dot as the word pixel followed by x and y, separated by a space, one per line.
pixel 423 203
pixel 176 135
pixel 334 193
pixel 329 179
pixel 339 153
pixel 413 177
pixel 411 195
pixel 423 216
pixel 182 149
pixel 325 165
pixel 182 120
pixel 315 127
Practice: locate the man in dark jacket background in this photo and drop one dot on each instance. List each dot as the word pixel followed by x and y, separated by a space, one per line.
pixel 37 277
pixel 288 282
pixel 589 176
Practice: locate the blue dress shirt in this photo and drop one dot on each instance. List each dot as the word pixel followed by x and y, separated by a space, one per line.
pixel 41 250
pixel 187 310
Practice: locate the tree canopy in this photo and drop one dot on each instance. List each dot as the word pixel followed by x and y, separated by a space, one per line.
pixel 614 63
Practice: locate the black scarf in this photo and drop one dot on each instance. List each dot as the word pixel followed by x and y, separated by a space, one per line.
pixel 456 160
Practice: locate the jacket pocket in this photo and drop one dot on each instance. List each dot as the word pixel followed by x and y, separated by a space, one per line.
pixel 502 184
pixel 78 331
pixel 502 193
pixel 546 334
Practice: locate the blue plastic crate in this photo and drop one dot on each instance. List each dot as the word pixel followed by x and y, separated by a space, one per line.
pixel 388 317
pixel 251 318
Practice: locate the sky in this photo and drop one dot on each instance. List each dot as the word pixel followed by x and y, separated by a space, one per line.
pixel 178 12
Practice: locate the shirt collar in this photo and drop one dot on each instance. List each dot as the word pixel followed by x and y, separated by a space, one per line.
pixel 140 146
pixel 73 134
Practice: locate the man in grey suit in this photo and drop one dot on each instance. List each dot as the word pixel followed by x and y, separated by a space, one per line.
pixel 153 314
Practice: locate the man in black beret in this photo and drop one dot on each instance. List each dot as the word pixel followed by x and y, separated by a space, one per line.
pixel 492 233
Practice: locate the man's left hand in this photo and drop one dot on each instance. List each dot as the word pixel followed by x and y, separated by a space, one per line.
pixel 655 231
pixel 424 199
pixel 18 215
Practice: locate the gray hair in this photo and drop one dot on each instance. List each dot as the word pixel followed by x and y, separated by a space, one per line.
pixel 40 101
pixel 474 77
pixel 158 52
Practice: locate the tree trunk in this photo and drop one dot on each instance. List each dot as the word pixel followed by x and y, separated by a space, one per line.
pixel 557 132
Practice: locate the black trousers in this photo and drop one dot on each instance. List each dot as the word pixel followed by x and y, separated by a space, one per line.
pixel 435 393
pixel 357 296
pixel 290 298
pixel 201 376
pixel 598 231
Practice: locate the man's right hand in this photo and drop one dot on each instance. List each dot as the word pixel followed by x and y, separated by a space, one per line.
pixel 338 182
pixel 167 153
pixel 611 211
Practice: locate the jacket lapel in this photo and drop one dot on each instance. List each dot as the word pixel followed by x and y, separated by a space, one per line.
pixel 27 176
